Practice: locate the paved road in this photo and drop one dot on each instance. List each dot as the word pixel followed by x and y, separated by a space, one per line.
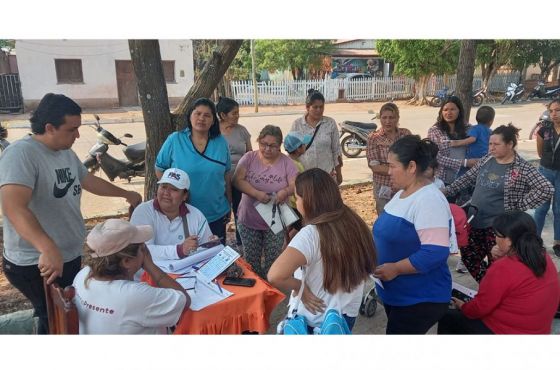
pixel 417 119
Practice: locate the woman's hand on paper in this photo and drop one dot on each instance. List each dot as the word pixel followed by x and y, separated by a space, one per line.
pixel 263 197
pixel 281 196
pixel 190 244
pixel 386 271
pixel 457 302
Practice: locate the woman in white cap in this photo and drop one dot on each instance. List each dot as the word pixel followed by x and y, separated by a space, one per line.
pixel 179 228
pixel 109 301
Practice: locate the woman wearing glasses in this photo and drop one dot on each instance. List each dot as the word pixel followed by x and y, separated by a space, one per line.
pixel 324 150
pixel 263 175
pixel 203 154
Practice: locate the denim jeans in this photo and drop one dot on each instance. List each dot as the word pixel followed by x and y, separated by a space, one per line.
pixel 553 176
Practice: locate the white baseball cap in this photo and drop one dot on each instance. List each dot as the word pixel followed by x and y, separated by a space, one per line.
pixel 114 235
pixel 176 177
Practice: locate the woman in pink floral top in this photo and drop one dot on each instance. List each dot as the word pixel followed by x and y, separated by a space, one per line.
pixel 503 182
pixel 264 175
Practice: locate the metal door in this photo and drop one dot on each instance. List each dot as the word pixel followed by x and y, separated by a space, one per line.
pixel 126 83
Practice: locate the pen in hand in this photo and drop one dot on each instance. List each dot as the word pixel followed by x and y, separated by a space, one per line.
pixel 200 228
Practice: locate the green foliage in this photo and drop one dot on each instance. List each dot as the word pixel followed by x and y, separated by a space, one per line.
pixel 281 55
pixel 7 44
pixel 417 58
pixel 531 52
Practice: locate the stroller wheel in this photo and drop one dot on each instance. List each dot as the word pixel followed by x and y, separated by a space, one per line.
pixel 371 308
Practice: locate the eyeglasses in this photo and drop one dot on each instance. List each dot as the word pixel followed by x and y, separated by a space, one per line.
pixel 268 146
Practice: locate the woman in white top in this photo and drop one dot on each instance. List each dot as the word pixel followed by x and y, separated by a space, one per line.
pixel 179 228
pixel 108 300
pixel 335 246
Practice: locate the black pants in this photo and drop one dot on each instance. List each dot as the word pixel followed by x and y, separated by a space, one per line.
pixel 455 322
pixel 28 280
pixel 218 227
pixel 235 200
pixel 414 319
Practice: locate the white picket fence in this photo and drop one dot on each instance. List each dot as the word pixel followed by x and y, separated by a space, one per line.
pixel 498 83
pixel 379 88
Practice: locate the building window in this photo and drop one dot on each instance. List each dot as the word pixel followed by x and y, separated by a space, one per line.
pixel 69 71
pixel 169 70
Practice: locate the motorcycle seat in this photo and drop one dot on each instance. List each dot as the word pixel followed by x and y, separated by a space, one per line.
pixel 362 125
pixel 135 152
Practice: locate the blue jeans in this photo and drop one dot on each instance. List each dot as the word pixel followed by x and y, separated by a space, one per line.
pixel 540 213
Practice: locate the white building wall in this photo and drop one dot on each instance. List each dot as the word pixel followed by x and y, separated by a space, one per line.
pixel 38 75
pixel 357 44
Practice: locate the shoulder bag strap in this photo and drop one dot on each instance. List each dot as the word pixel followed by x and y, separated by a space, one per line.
pixel 185 226
pixel 293 310
pixel 204 155
pixel 313 137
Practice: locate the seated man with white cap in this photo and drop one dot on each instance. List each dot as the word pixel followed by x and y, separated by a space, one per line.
pixel 179 228
pixel 108 300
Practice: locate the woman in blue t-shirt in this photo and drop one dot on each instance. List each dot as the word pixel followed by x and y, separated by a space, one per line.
pixel 412 240
pixel 202 152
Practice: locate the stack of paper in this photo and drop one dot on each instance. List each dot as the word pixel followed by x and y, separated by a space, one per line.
pixel 288 215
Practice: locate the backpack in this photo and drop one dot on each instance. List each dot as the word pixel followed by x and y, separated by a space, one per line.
pixel 294 324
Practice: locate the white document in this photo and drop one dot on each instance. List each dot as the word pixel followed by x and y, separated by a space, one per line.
pixel 184 265
pixel 206 293
pixel 463 289
pixel 378 282
pixel 288 215
pixel 217 264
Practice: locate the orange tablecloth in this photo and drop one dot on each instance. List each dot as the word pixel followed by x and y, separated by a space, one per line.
pixel 248 309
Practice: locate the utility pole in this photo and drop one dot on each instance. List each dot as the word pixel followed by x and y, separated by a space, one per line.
pixel 254 74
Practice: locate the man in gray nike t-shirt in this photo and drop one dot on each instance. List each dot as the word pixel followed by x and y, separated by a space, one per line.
pixel 41 182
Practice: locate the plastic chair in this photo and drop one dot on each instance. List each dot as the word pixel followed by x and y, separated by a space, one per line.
pixel 61 310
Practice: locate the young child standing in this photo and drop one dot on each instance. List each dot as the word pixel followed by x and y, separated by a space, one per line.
pixel 480 133
pixel 295 144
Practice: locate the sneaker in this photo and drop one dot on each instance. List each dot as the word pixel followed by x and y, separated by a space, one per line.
pixel 460 268
pixel 556 250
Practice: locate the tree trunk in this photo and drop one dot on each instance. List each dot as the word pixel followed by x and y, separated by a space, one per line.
pixel 419 97
pixel 465 73
pixel 146 59
pixel 209 78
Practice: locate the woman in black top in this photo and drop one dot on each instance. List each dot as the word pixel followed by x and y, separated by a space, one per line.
pixel 548 148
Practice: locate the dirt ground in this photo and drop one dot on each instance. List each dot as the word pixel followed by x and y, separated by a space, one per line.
pixel 358 197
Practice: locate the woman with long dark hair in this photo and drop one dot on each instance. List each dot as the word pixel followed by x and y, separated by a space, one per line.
pixel 202 152
pixel 520 291
pixel 335 246
pixel 449 133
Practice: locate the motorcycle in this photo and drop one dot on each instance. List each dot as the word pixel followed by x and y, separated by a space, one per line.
pixel 542 92
pixel 3 135
pixel 356 136
pixel 545 117
pixel 477 97
pixel 98 156
pixel 440 96
pixel 513 92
